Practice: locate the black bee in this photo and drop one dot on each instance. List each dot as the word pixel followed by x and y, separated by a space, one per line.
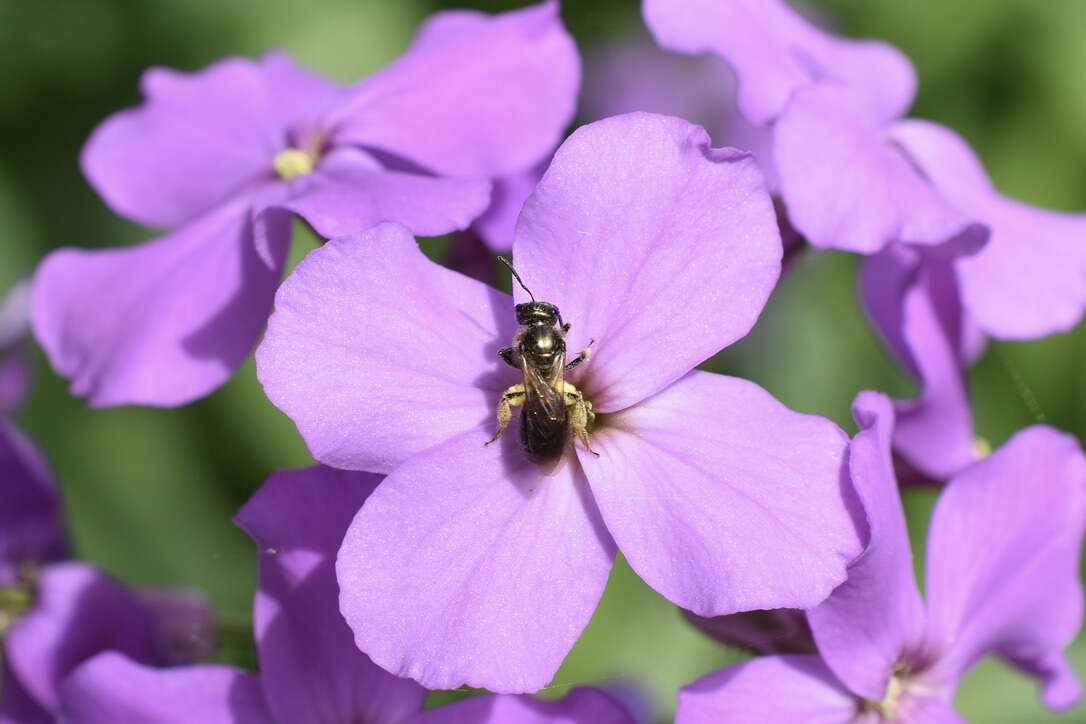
pixel 551 407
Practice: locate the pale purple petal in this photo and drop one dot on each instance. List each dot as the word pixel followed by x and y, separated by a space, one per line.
pixel 582 705
pixel 448 106
pixel 870 620
pixel 775 631
pixel 724 500
pixel 111 688
pixel 162 323
pixel 497 223
pixel 350 192
pixel 660 248
pixel 309 666
pixel 198 140
pixel 919 709
pixel 469 565
pixel 377 353
pixel 1003 559
pixel 31 530
pixel 934 431
pixel 1030 280
pixel 297 97
pixel 78 612
pixel 776 52
pixel 847 187
pixel 792 689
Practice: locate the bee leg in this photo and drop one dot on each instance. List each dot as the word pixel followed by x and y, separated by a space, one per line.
pixel 512 396
pixel 582 357
pixel 563 329
pixel 581 416
pixel 506 353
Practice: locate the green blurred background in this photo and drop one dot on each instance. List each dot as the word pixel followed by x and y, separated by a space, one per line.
pixel 149 493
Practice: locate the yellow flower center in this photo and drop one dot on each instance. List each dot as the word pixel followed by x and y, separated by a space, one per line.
pixel 292 162
pixel 981 448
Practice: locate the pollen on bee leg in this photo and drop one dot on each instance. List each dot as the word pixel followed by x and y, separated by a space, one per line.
pixel 512 396
pixel 581 416
pixel 292 162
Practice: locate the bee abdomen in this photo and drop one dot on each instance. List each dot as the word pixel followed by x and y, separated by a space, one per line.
pixel 543 437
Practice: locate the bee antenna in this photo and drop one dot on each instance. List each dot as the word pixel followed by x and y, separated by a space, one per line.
pixel 516 276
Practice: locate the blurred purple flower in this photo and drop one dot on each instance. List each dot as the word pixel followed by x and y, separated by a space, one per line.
pixel 774 631
pixel 663 250
pixel 224 155
pixel 54 614
pixel 1002 577
pixel 310 670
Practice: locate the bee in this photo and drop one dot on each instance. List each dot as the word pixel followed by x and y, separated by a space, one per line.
pixel 550 406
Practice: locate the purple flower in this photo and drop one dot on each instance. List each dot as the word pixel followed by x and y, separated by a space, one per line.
pixel 310 670
pixel 54 614
pixel 220 157
pixel 1002 577
pixel 661 249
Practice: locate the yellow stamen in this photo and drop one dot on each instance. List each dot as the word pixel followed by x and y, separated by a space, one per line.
pixel 292 162
pixel 981 447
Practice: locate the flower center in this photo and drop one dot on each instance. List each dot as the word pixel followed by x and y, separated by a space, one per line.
pixel 16 598
pixel 887 708
pixel 292 162
pixel 981 448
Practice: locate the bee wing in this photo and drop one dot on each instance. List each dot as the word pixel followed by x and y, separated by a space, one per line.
pixel 547 390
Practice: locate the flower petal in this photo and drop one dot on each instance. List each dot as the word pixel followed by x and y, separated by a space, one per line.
pixel 162 323
pixel 30 519
pixel 78 612
pixel 724 500
pixel 111 688
pixel 776 52
pixel 775 631
pixel 657 246
pixel 791 689
pixel 496 225
pixel 349 193
pixel 868 622
pixel 826 139
pixel 310 668
pixel 934 431
pixel 198 140
pixel 451 108
pixel 502 566
pixel 1003 555
pixel 16 704
pixel 377 353
pixel 1030 280
pixel 297 96
pixel 582 705
pixel 920 709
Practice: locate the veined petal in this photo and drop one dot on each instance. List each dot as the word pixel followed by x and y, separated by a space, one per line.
pixel 377 353
pixel 310 669
pixel 791 689
pixel 502 566
pixel 846 186
pixel 582 705
pixel 78 612
pixel 1003 557
pixel 776 52
pixel 198 140
pixel 449 107
pixel 1030 279
pixel 111 688
pixel 660 248
pixel 349 193
pixel 162 323
pixel 724 500
pixel 864 627
pixel 297 97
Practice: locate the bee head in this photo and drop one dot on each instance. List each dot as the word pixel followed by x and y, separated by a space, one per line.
pixel 534 312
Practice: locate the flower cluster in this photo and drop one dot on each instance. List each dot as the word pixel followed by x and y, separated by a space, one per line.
pixel 431 551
